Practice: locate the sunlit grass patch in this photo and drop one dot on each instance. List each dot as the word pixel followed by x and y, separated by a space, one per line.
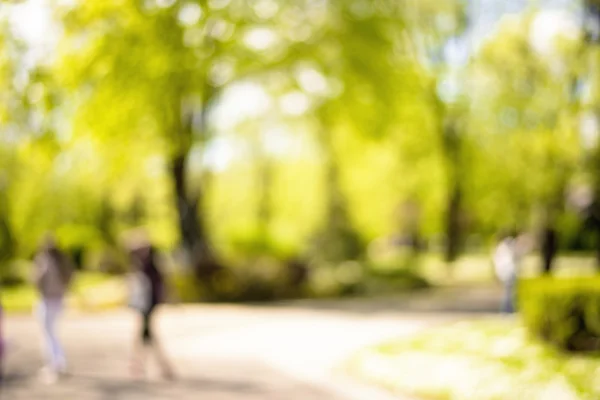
pixel 480 360
pixel 18 298
pixel 90 291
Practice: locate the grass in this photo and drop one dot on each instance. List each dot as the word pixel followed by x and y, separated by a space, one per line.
pixel 91 291
pixel 479 360
pixel 476 268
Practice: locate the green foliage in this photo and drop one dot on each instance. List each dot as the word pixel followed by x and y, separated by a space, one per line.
pixel 266 278
pixel 565 312
pixel 15 273
pixel 351 126
pixel 524 124
pixel 257 279
pixel 91 291
pixel 352 278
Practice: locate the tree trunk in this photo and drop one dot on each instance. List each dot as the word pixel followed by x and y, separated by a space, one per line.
pixel 194 240
pixel 453 225
pixel 593 224
pixel 452 147
pixel 195 244
pixel 106 218
pixel 340 241
pixel 592 39
pixel 7 241
pixel 598 250
pixel 264 213
pixel 549 233
pixel 548 248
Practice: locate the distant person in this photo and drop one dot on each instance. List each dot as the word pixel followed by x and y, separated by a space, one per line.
pixel 507 258
pixel 147 291
pixel 52 276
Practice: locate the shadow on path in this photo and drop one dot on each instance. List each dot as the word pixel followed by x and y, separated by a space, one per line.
pixel 454 300
pixel 113 386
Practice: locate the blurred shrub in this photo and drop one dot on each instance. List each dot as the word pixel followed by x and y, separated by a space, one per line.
pixel 337 244
pixel 251 245
pixel 564 312
pixel 352 278
pixel 184 288
pixel 269 279
pixel 109 261
pixel 575 234
pixel 394 280
pixel 259 279
pixel 14 273
pixel 336 280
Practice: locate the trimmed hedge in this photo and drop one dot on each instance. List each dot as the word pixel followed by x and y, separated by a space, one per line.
pixel 563 312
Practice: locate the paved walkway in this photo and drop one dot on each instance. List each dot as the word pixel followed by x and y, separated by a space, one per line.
pixel 285 351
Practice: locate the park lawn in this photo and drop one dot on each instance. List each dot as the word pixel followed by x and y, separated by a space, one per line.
pixel 476 268
pixel 91 291
pixel 478 360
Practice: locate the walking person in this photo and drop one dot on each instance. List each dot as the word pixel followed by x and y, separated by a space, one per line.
pixel 507 258
pixel 53 274
pixel 147 291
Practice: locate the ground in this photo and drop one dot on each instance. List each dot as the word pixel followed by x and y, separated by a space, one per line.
pixel 282 351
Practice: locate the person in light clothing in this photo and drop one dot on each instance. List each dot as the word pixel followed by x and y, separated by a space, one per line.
pixel 52 276
pixel 507 258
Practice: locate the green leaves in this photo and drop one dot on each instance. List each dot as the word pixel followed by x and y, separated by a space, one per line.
pixel 361 90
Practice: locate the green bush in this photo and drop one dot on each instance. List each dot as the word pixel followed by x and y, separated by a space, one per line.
pixel 184 287
pixel 260 279
pixel 15 273
pixel 352 278
pixel 564 312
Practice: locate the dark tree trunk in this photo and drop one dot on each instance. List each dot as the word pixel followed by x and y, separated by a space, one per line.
pixel 452 147
pixel 592 38
pixel 598 250
pixel 7 241
pixel 595 217
pixel 453 225
pixel 106 218
pixel 549 233
pixel 594 208
pixel 190 124
pixel 548 248
pixel 194 240
pixel 593 225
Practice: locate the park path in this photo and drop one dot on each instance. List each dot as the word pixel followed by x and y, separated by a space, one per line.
pixel 285 351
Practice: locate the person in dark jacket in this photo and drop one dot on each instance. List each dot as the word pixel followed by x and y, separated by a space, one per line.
pixel 147 292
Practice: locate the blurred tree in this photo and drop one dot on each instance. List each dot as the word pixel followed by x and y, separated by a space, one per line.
pixel 155 69
pixel 591 105
pixel 439 39
pixel 7 96
pixel 525 117
pixel 356 72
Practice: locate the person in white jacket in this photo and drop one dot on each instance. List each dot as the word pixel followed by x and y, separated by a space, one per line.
pixel 507 259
